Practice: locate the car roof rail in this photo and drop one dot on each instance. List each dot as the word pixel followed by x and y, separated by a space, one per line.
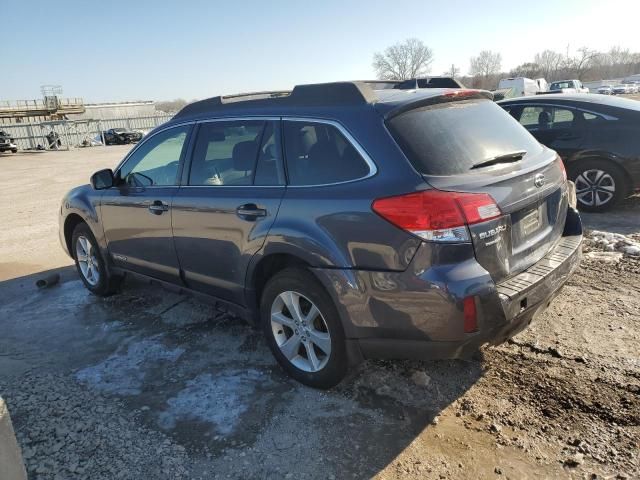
pixel 382 84
pixel 315 94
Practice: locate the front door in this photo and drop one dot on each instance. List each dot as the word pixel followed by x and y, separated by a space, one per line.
pixel 229 199
pixel 136 213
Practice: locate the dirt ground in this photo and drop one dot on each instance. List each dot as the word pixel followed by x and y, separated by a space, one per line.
pixel 151 384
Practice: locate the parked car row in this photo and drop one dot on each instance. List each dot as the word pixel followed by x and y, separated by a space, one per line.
pixel 625 88
pixel 347 222
pixel 621 89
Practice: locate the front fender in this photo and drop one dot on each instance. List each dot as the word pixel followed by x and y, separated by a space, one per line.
pixel 83 202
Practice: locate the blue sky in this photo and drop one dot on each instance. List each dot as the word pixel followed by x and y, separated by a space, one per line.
pixel 125 50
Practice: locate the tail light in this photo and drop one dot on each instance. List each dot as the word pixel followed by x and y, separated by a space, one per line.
pixel 436 215
pixel 562 168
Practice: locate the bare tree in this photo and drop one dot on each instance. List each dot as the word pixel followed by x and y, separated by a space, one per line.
pixel 409 59
pixel 453 72
pixel 582 63
pixel 529 70
pixel 550 63
pixel 486 64
pixel 619 56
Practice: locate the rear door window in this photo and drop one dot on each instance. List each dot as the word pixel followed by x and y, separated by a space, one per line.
pixel 318 153
pixel 226 153
pixel 543 117
pixel 451 138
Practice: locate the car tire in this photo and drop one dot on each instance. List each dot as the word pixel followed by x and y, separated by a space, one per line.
pixel 600 184
pixel 15 150
pixel 90 263
pixel 300 342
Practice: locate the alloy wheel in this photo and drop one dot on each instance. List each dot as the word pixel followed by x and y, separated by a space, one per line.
pixel 300 331
pixel 594 187
pixel 87 260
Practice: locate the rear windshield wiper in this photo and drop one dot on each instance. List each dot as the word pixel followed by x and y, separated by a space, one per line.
pixel 506 158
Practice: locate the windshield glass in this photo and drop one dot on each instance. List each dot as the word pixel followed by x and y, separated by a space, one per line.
pixel 451 138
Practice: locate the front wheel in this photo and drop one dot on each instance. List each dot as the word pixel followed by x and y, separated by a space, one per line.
pixel 90 263
pixel 600 184
pixel 303 330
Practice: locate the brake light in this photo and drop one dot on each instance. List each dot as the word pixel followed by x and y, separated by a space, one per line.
pixel 461 93
pixel 436 215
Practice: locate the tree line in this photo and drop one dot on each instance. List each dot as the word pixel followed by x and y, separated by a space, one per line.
pixel 412 58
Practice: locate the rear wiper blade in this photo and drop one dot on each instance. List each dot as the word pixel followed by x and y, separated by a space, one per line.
pixel 506 158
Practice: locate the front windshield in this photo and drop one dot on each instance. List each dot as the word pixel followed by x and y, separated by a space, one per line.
pixel 560 85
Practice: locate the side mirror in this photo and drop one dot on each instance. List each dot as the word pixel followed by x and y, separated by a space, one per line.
pixel 102 179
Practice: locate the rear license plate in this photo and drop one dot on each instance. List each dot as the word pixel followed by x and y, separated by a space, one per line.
pixel 530 222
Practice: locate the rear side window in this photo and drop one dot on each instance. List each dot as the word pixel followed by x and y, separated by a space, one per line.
pixel 317 153
pixel 544 117
pixel 451 138
pixel 225 153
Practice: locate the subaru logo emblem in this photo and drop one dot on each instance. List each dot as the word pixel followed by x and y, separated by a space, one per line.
pixel 538 180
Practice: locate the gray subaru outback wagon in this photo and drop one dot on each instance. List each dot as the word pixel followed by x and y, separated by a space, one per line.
pixel 348 223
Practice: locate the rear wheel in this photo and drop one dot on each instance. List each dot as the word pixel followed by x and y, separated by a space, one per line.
pixel 90 264
pixel 303 329
pixel 600 184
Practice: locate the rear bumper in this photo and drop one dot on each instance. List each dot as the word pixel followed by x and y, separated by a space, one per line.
pixel 418 313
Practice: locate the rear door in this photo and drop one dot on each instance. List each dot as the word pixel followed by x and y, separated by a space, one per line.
pixel 136 214
pixel 475 146
pixel 229 199
pixel 557 127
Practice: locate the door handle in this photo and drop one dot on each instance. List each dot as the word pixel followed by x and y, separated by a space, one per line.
pixel 250 210
pixel 157 207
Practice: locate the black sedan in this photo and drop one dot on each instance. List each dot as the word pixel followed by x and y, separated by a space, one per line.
pixel 597 136
pixel 121 136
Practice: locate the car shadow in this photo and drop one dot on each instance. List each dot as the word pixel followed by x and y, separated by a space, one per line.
pixel 207 379
pixel 623 218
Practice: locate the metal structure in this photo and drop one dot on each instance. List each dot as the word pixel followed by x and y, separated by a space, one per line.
pixel 75 133
pixel 51 107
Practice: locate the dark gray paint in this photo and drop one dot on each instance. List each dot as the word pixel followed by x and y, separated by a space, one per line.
pixel 388 285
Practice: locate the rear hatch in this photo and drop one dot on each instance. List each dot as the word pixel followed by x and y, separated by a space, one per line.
pixel 467 143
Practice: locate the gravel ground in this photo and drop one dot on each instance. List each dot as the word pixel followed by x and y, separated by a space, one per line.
pixel 151 384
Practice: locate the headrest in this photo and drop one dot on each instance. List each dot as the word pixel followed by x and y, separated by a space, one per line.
pixel 244 155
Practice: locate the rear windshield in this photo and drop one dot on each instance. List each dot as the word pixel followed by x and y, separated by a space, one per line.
pixel 451 138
